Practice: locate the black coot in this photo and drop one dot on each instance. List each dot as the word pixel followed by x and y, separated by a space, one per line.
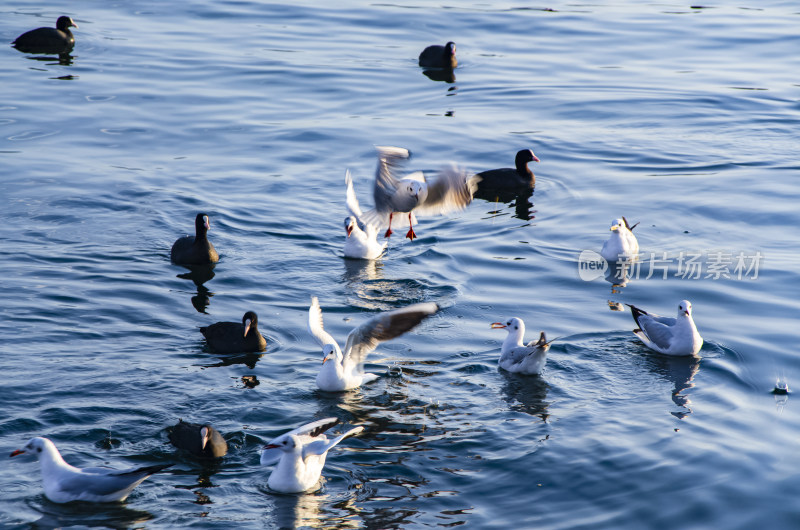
pixel 57 40
pixel 202 441
pixel 235 337
pixel 517 178
pixel 196 249
pixel 437 56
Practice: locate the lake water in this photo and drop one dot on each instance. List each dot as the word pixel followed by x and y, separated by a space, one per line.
pixel 685 119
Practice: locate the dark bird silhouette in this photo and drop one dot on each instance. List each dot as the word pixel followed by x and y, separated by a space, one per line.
pixel 233 337
pixel 437 56
pixel 202 441
pixel 58 40
pixel 196 249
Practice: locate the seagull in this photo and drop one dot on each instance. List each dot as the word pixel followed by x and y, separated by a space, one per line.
pixel 670 336
pixel 345 371
pixel 362 237
pixel 202 441
pixel 622 245
pixel 65 483
pixel 452 189
pixel 300 455
pixel 521 358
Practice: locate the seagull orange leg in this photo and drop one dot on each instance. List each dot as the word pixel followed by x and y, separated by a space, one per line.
pixel 389 230
pixel 410 234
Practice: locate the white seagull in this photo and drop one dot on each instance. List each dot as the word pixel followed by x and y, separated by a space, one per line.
pixel 345 371
pixel 518 357
pixel 452 189
pixel 65 483
pixel 622 244
pixel 670 336
pixel 300 455
pixel 362 237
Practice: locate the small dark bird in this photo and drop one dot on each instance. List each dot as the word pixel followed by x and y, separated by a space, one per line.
pixel 233 337
pixel 437 56
pixel 196 249
pixel 57 40
pixel 202 441
pixel 507 179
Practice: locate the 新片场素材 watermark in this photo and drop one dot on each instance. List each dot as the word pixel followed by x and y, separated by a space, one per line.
pixel 687 265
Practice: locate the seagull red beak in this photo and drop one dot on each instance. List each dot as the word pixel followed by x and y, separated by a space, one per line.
pixel 498 325
pixel 17 452
pixel 349 230
pixel 686 313
pixel 270 446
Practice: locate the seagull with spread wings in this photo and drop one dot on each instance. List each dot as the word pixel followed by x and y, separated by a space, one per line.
pixel 345 371
pixel 451 189
pixel 362 237
pixel 300 455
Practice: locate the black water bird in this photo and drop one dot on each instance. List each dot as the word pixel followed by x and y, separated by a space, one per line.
pixel 437 56
pixel 201 440
pixel 235 337
pixel 196 249
pixel 518 178
pixel 58 40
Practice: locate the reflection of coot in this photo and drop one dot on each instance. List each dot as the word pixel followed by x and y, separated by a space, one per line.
pixel 508 181
pixel 440 74
pixel 233 337
pixel 57 40
pixel 197 249
pixel 437 56
pixel 202 441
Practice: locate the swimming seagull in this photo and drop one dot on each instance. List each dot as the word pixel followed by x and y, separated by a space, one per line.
pixel 362 237
pixel 452 189
pixel 300 455
pixel 65 483
pixel 518 357
pixel 622 244
pixel 670 336
pixel 345 371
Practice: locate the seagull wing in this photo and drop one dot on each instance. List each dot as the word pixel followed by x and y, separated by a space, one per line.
pixel 451 189
pixel 307 431
pixel 386 184
pixel 383 327
pixel 315 325
pixel 98 482
pixel 355 210
pixel 320 447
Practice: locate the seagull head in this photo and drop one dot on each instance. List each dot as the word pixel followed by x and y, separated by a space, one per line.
pixel 349 223
pixel 418 190
pixel 34 446
pixel 329 353
pixel 286 444
pixel 617 224
pixel 513 325
pixel 685 308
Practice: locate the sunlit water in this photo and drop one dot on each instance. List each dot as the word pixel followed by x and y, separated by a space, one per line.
pixel 683 119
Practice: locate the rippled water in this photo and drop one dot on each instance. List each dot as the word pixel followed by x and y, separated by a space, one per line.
pixel 684 119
